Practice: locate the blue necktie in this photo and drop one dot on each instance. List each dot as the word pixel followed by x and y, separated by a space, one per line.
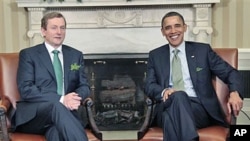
pixel 177 77
pixel 58 71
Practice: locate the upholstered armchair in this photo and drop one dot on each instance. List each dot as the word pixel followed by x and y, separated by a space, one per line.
pixel 9 95
pixel 213 133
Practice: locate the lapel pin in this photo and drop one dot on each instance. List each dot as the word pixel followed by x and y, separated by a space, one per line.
pixel 192 56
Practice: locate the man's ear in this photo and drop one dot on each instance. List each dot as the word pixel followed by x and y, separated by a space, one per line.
pixel 162 32
pixel 43 32
pixel 185 27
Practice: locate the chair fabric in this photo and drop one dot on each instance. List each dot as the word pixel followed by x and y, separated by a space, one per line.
pixel 9 95
pixel 213 133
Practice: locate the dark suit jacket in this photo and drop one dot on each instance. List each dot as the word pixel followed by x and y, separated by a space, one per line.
pixel 200 56
pixel 37 83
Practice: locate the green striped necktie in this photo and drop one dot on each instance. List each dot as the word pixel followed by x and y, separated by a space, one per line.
pixel 58 71
pixel 177 78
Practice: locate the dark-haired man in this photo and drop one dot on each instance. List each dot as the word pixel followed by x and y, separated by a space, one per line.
pixel 179 78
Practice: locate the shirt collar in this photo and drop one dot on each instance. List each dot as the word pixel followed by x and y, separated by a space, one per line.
pixel 51 48
pixel 181 47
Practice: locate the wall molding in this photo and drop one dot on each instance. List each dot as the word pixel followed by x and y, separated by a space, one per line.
pixel 243 59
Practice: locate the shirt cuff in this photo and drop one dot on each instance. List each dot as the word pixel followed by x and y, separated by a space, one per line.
pixel 162 93
pixel 61 99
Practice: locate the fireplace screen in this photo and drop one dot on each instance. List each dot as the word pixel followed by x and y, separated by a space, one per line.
pixel 117 91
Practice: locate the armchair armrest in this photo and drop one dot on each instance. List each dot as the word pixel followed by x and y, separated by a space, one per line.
pixel 233 119
pixel 148 118
pixel 5 103
pixel 3 123
pixel 88 103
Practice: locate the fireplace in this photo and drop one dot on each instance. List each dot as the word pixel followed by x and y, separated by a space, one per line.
pixel 117 90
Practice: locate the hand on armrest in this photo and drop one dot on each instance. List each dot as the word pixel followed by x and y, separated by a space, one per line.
pixel 235 103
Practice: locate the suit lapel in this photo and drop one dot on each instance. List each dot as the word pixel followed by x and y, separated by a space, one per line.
pixel 191 61
pixel 45 59
pixel 66 65
pixel 165 65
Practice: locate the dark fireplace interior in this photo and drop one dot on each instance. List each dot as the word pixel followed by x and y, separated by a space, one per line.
pixel 117 90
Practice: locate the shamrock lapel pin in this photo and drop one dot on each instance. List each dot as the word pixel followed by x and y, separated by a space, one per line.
pixel 74 67
pixel 198 69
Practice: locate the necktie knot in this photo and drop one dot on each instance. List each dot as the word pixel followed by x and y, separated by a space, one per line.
pixel 55 52
pixel 176 51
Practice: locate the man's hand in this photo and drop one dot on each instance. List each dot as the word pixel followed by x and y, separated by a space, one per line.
pixel 167 93
pixel 72 101
pixel 234 102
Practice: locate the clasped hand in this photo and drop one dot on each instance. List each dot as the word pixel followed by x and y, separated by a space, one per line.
pixel 72 101
pixel 167 93
pixel 235 103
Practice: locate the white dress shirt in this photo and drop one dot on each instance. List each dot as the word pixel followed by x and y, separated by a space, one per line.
pixel 60 55
pixel 189 89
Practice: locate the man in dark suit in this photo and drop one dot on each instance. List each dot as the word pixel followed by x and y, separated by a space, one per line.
pixel 181 111
pixel 42 109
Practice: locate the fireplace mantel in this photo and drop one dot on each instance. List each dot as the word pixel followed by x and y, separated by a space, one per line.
pixel 103 3
pixel 120 26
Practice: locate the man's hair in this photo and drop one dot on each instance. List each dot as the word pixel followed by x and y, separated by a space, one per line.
pixel 171 14
pixel 51 15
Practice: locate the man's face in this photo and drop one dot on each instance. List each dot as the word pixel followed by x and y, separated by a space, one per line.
pixel 173 29
pixel 55 32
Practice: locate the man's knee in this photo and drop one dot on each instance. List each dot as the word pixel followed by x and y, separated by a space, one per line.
pixel 179 95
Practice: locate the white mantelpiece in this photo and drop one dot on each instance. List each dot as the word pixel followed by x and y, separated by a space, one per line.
pixel 244 59
pixel 101 3
pixel 117 26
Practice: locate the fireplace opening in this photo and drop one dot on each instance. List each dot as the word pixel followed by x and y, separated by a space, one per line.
pixel 117 90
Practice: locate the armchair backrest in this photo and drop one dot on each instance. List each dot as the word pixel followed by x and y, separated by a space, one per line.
pixel 230 55
pixel 8 72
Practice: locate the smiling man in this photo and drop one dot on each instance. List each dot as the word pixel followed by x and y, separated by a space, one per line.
pixel 179 79
pixel 52 83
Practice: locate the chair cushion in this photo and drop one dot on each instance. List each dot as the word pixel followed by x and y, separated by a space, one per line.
pixel 213 133
pixel 153 134
pixel 26 137
pixel 90 135
pixel 31 137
